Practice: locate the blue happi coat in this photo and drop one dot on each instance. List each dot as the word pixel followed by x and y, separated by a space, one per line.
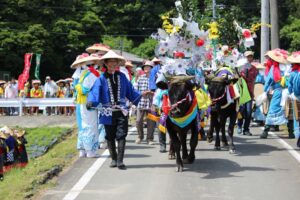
pixel 100 94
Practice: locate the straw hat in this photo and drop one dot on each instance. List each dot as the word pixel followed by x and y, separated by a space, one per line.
pixel 4 132
pixel 36 82
pixel 294 58
pixel 69 80
pixel 19 133
pixel 84 58
pixel 277 56
pixel 154 60
pixel 60 81
pixel 128 64
pixel 2 82
pixel 248 53
pixel 148 63
pixel 112 55
pixel 258 65
pixel 98 47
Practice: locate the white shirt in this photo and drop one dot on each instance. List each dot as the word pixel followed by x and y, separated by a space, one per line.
pixel 50 87
pixel 11 92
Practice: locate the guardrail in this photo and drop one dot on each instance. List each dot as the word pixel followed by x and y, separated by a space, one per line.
pixel 40 102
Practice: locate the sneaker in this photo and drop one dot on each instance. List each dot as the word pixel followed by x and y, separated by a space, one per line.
pixel 150 142
pixel 239 131
pixel 82 154
pixel 247 133
pixel 162 148
pixel 138 141
pixel 113 164
pixel 264 135
pixel 92 154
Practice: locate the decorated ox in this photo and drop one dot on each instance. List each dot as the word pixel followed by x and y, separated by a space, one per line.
pixel 181 116
pixel 223 106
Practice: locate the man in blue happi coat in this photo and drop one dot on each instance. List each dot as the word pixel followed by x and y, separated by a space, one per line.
pixel 111 91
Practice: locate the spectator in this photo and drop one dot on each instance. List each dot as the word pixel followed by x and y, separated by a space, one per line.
pixel 144 106
pixel 61 94
pixel 36 92
pixel 2 95
pixel 11 93
pixel 68 94
pixel 50 90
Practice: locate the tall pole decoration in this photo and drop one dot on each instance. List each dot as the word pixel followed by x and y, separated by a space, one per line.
pixel 214 35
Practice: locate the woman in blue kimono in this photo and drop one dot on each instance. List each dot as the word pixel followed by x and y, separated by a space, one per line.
pixel 87 120
pixel 110 92
pixel 275 114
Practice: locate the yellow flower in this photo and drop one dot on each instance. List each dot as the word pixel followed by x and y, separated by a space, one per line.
pixel 177 28
pixel 255 27
pixel 213 30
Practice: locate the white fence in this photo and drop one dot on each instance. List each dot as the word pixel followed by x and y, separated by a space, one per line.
pixel 42 103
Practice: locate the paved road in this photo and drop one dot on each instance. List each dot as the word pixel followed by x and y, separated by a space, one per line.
pixel 262 169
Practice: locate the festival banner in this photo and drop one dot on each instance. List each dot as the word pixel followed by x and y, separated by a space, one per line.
pixel 37 66
pixel 25 75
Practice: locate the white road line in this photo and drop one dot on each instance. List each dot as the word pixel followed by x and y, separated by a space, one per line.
pixel 288 147
pixel 88 175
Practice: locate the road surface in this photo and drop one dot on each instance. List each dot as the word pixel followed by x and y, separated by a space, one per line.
pixel 262 169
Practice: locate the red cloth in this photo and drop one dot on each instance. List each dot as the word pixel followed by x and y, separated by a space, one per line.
pixel 296 67
pixel 276 70
pixel 94 71
pixel 166 105
pixel 231 91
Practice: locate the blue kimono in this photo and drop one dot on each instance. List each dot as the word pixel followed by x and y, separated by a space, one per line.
pixel 100 94
pixel 260 79
pixel 275 114
pixel 153 76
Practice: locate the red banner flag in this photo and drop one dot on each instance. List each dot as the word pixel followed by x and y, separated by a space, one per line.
pixel 25 75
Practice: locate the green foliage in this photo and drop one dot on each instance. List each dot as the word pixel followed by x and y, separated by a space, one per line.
pixel 291 32
pixel 119 42
pixel 146 49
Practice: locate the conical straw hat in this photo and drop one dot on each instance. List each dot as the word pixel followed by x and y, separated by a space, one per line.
pixel 98 47
pixel 277 56
pixel 294 58
pixel 84 58
pixel 112 55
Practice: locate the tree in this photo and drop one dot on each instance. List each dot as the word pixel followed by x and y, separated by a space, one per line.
pixel 146 49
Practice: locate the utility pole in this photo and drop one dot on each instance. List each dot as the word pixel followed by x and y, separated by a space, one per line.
pixel 274 23
pixel 265 35
pixel 214 9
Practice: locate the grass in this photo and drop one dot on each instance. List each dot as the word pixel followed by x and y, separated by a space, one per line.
pixel 27 182
pixel 42 137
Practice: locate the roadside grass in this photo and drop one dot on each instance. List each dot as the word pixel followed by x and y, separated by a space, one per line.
pixel 27 182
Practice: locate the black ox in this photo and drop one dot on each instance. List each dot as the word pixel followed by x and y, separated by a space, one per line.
pixel 181 94
pixel 221 110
